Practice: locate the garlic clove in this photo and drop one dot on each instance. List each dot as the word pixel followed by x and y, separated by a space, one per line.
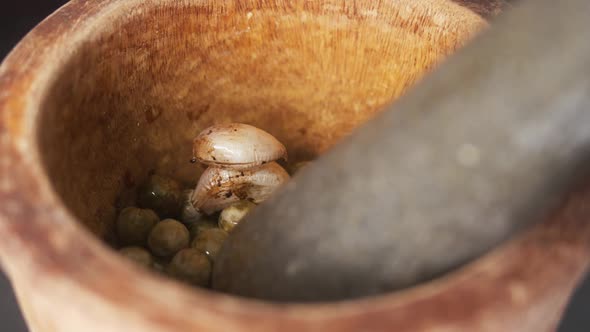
pixel 219 187
pixel 231 216
pixel 189 215
pixel 236 145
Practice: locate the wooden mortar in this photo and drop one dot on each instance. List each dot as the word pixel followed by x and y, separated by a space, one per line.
pixel 105 91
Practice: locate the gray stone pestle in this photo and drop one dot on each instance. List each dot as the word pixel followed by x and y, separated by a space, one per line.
pixel 479 150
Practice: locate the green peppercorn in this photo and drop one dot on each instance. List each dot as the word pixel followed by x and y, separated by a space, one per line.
pixel 158 267
pixel 138 255
pixel 134 225
pixel 233 214
pixel 197 227
pixel 168 237
pixel 161 194
pixel 209 241
pixel 192 266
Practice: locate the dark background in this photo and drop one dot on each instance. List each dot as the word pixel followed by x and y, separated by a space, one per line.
pixel 17 18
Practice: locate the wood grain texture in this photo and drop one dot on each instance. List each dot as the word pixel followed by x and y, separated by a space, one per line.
pixel 306 73
pixel 103 90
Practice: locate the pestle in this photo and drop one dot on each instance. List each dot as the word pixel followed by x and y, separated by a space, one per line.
pixel 478 151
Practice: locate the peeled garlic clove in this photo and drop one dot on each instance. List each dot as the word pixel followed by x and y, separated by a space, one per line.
pixel 231 216
pixel 237 145
pixel 189 215
pixel 221 187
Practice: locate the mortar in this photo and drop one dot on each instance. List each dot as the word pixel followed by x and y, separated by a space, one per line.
pixel 104 92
